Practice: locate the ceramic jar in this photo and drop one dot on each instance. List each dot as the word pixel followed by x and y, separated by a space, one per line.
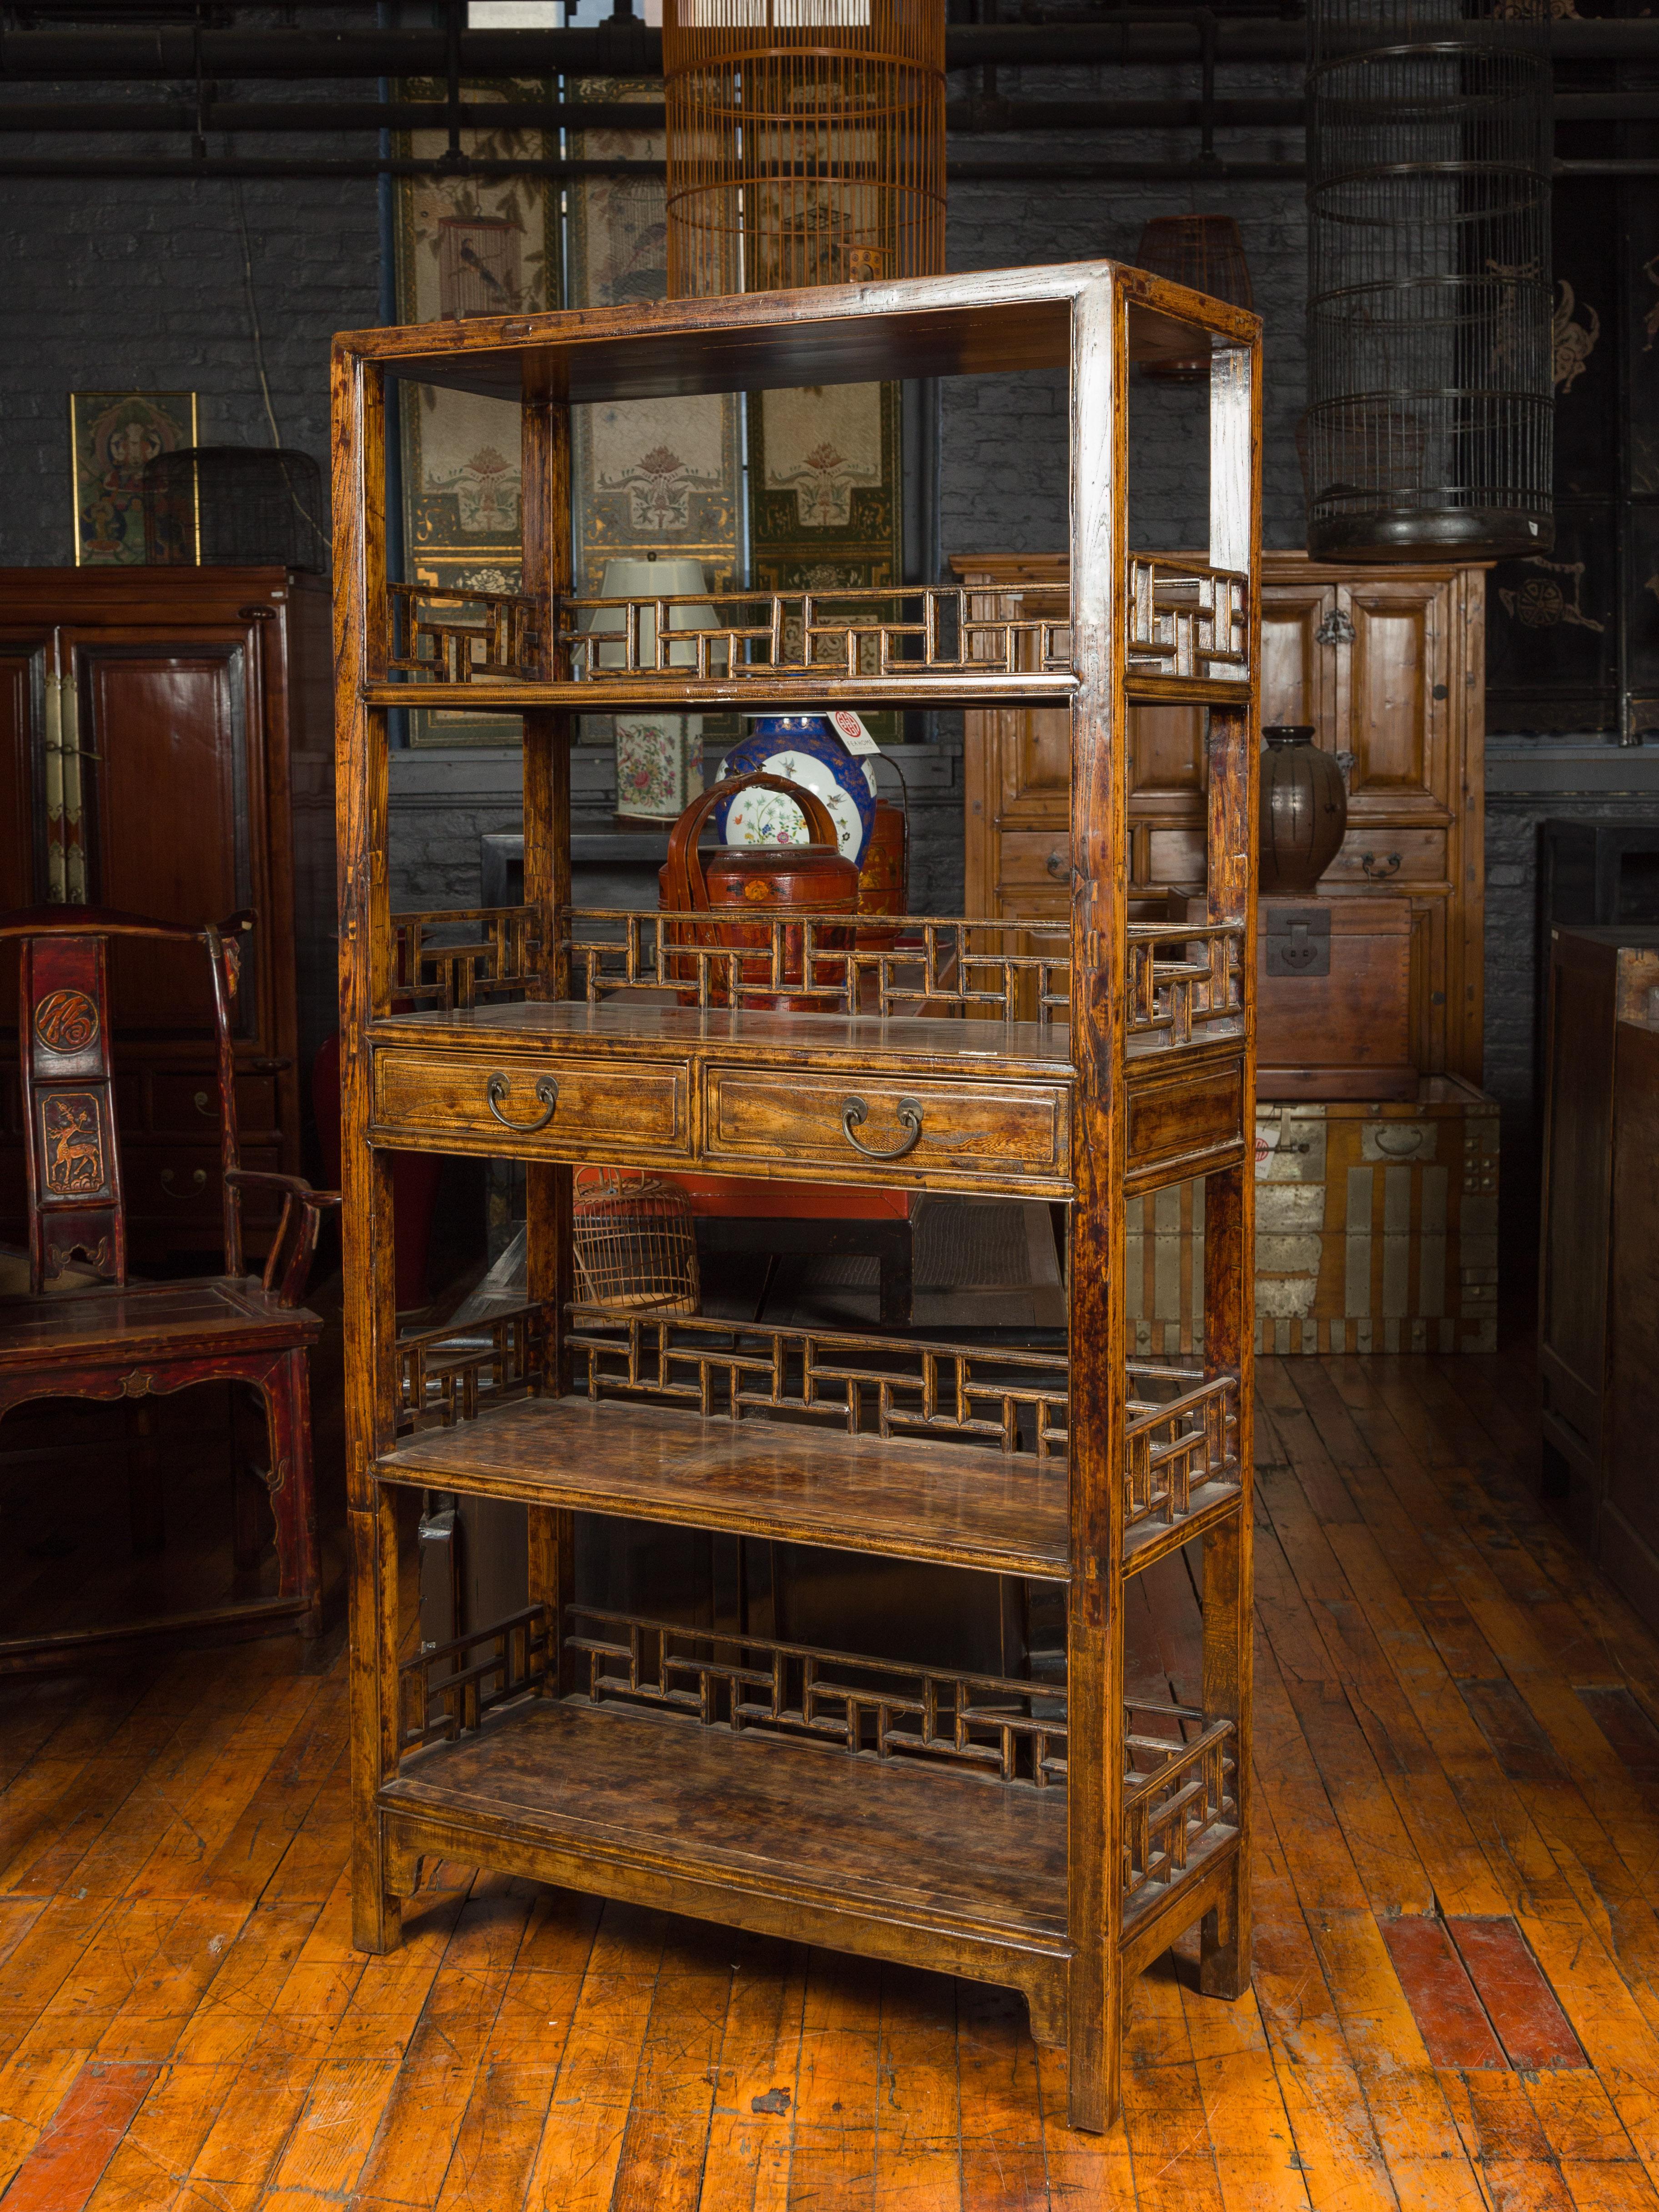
pixel 1303 809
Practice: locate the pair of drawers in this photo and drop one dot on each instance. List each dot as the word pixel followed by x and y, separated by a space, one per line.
pixel 818 1125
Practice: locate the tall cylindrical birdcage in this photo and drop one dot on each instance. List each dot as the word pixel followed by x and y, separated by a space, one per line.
pixel 1429 427
pixel 805 142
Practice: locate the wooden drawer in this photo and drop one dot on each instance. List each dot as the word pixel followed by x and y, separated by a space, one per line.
pixel 604 1111
pixel 1421 855
pixel 171 1183
pixel 1036 856
pixel 189 1100
pixel 967 1132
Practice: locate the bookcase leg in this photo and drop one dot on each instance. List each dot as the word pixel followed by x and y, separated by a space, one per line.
pixel 1095 2046
pixel 377 1919
pixel 1224 1968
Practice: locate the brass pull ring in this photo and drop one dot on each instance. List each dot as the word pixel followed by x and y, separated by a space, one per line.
pixel 197 1182
pixel 546 1089
pixel 854 1113
pixel 1375 875
pixel 1057 865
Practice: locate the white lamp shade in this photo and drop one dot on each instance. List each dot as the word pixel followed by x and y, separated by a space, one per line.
pixel 650 580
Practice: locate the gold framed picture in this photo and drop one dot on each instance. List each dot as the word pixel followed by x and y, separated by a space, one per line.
pixel 111 435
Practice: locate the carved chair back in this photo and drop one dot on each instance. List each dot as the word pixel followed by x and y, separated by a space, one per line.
pixel 76 1209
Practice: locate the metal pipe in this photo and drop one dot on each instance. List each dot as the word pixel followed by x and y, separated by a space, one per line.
pixel 308 115
pixel 127 53
pixel 963 118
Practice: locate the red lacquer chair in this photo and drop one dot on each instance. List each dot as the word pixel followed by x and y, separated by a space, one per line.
pixel 80 1330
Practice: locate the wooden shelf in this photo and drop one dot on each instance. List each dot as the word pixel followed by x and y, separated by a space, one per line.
pixel 901 1498
pixel 633 1026
pixel 624 1797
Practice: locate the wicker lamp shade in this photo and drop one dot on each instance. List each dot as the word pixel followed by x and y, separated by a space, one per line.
pixel 805 142
pixel 1429 343
pixel 1206 252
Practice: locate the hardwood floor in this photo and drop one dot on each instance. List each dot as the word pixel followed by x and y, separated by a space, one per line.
pixel 1456 1999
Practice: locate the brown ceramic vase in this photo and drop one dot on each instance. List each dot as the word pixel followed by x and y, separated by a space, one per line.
pixel 1304 810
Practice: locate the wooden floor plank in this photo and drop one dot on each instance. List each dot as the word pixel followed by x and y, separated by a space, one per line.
pixel 834 2158
pixel 1337 2150
pixel 581 2146
pixel 752 2131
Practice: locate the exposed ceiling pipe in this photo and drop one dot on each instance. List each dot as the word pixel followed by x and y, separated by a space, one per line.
pixel 968 118
pixel 1052 168
pixel 119 53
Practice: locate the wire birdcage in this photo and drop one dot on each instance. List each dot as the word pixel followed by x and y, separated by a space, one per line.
pixel 1206 252
pixel 805 142
pixel 636 1245
pixel 1430 425
pixel 234 506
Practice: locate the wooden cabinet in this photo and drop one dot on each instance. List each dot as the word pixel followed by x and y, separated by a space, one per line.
pixel 165 748
pixel 1388 666
pixel 814 1758
pixel 1598 1310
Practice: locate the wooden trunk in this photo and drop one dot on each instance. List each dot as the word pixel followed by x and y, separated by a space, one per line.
pixel 1377 1230
pixel 1333 998
pixel 1598 1311
pixel 166 749
pixel 1387 664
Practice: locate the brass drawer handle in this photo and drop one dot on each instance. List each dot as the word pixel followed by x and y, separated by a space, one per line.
pixel 1058 865
pixel 854 1113
pixel 206 1107
pixel 546 1089
pixel 1375 875
pixel 197 1183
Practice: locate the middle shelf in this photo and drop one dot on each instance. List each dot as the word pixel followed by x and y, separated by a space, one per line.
pixel 861 1444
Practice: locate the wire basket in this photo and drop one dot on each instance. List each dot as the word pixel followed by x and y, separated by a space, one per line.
pixel 1430 414
pixel 234 506
pixel 805 142
pixel 1205 253
pixel 636 1245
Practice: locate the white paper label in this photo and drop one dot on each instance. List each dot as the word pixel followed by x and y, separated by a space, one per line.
pixel 851 731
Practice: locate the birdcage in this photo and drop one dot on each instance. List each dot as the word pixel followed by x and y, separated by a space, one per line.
pixel 1206 252
pixel 1430 414
pixel 805 142
pixel 635 1243
pixel 234 506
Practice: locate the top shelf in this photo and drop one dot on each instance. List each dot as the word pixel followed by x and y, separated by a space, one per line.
pixel 1186 634
pixel 986 322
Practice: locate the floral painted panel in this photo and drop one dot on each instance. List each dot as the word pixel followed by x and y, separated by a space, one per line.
pixel 651 476
pixel 469 246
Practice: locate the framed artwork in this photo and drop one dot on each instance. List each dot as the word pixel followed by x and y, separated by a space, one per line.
pixel 111 435
pixel 465 246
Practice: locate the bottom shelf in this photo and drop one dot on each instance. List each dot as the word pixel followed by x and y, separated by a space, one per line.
pixel 627 1790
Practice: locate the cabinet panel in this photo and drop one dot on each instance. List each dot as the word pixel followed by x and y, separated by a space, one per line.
pixel 1384 664
pixel 1167 757
pixel 185 694
pixel 1394 693
pixel 1294 658
pixel 165 724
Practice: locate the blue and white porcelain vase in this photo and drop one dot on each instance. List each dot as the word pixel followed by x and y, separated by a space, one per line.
pixel 803 749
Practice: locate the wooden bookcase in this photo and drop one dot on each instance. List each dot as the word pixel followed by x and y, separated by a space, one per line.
pixel 1020 1826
